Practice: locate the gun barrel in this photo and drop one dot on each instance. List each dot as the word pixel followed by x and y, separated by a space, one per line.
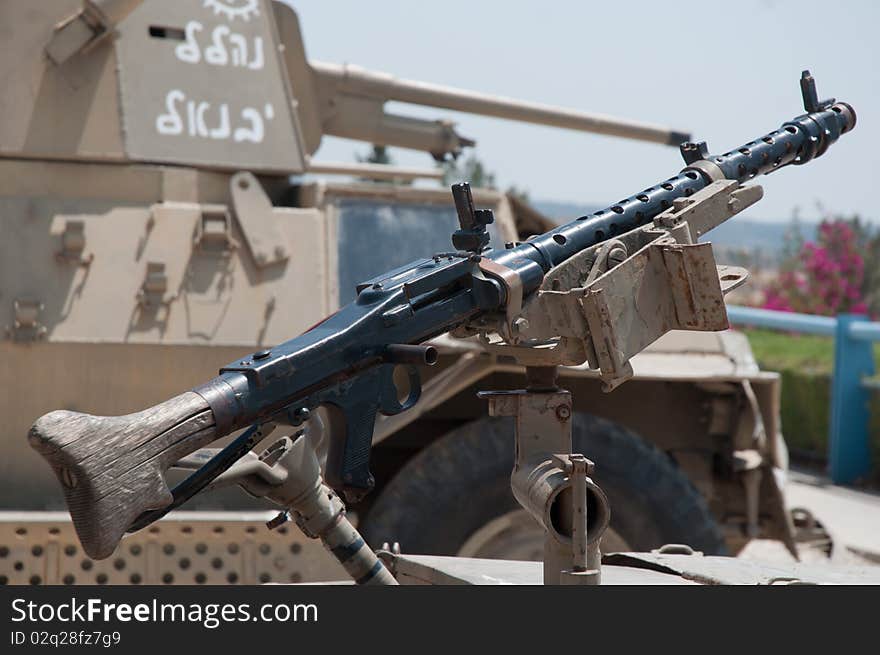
pixel 795 142
pixel 358 81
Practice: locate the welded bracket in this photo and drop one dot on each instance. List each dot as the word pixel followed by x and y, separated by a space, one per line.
pixel 611 301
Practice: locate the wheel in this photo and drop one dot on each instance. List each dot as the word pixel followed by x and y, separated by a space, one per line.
pixel 454 497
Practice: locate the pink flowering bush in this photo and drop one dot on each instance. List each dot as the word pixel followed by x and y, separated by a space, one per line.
pixel 827 277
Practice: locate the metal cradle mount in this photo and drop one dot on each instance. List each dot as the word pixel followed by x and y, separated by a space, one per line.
pixel 623 294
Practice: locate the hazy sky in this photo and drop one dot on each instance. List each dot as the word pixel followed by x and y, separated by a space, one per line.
pixel 727 72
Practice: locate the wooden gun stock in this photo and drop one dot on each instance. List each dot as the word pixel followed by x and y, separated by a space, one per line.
pixel 111 467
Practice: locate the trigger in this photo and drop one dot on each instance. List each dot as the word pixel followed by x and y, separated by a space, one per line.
pixel 400 390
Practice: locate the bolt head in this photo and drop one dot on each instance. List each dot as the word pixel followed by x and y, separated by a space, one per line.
pixel 563 412
pixel 520 325
pixel 299 415
pixel 616 256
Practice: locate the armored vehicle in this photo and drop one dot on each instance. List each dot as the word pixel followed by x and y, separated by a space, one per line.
pixel 162 215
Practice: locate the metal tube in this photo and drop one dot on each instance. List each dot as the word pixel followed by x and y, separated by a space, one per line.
pixel 864 331
pixel 768 318
pixel 318 511
pixel 346 544
pixel 373 171
pixel 405 354
pixel 358 81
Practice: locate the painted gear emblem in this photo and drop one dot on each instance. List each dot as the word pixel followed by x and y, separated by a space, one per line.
pixel 233 9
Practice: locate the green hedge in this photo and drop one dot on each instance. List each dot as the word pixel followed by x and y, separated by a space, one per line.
pixel 805 363
pixel 806 410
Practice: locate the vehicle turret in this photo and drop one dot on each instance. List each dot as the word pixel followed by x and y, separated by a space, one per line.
pixel 219 84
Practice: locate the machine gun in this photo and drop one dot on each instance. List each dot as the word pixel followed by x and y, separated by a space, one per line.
pixel 597 290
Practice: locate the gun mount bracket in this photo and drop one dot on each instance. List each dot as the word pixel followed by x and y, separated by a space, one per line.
pixel 551 482
pixel 731 277
pixel 609 302
pixel 610 254
pixel 513 289
pixel 709 207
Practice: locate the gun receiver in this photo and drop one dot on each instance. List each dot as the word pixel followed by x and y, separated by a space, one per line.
pixel 111 468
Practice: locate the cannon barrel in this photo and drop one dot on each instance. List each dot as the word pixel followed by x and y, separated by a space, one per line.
pixel 356 81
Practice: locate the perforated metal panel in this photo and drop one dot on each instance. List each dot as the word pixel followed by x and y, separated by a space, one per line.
pixel 185 548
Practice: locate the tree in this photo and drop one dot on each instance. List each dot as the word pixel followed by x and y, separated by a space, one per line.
pixel 792 240
pixel 521 194
pixel 472 170
pixel 870 237
pixel 469 170
pixel 378 155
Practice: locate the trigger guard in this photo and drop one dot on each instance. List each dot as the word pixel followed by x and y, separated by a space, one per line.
pixel 389 405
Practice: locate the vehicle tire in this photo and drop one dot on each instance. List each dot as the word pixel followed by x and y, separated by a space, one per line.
pixel 460 483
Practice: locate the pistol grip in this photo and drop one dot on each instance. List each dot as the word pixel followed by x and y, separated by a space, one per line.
pixel 354 405
pixel 348 453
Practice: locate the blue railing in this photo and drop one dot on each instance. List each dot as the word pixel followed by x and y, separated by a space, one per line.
pixel 848 447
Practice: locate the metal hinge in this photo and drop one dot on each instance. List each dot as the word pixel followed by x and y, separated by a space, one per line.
pixel 213 232
pixel 253 209
pixel 93 22
pixel 26 324
pixel 152 292
pixel 73 244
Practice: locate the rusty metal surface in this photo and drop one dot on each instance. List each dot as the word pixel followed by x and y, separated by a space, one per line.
pixel 710 206
pixel 609 302
pixel 664 287
pixel 550 482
